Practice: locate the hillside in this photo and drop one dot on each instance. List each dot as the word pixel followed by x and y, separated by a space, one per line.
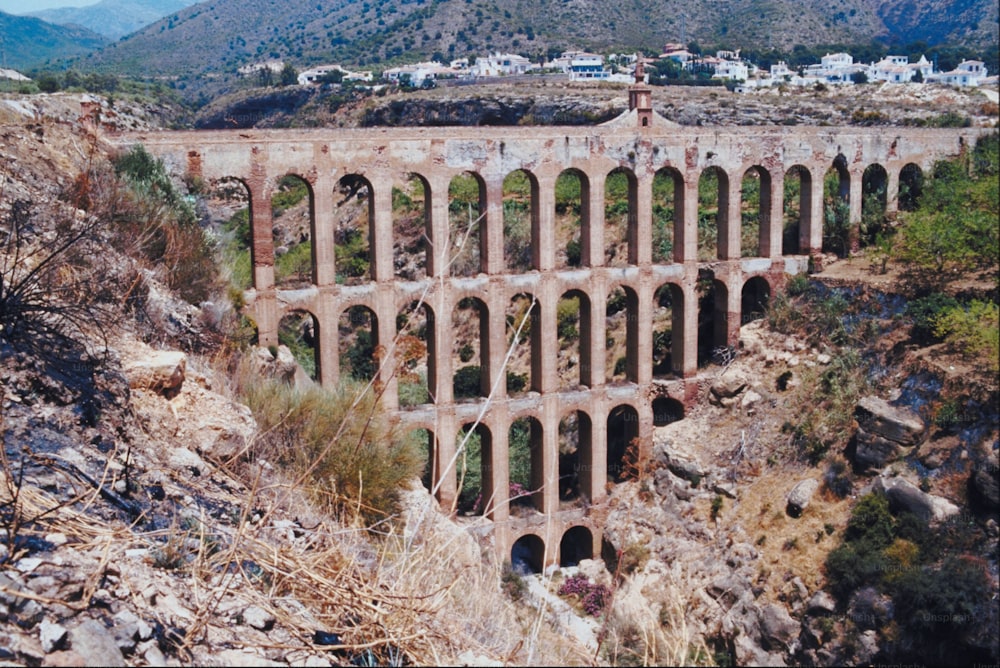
pixel 215 39
pixel 113 18
pixel 30 42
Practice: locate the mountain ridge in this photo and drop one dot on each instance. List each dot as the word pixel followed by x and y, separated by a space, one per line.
pixel 113 18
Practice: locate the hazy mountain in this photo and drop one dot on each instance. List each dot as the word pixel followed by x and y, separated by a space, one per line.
pixel 114 18
pixel 28 42
pixel 213 39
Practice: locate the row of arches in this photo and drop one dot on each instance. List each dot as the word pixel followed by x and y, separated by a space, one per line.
pixel 516 476
pixel 528 554
pixel 530 226
pixel 560 359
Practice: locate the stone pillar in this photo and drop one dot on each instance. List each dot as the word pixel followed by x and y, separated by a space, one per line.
pixel 491 229
pixel 729 219
pixel 642 238
pixel 439 241
pixel 686 233
pixel 262 257
pixel 811 227
pixel 443 475
pixel 772 214
pixel 599 450
pixel 328 355
pixel 380 230
pixel 493 334
pixel 543 232
pixel 497 479
pixel 594 341
pixel 644 334
pixel 684 348
pixel 386 374
pixel 592 232
pixel 892 193
pixel 324 263
pixel 550 454
pixel 855 198
pixel 545 339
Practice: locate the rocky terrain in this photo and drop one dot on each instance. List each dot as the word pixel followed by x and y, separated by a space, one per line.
pixel 137 531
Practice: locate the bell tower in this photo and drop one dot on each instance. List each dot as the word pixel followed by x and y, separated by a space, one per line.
pixel 640 97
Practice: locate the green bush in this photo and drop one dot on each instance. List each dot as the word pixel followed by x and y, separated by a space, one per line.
pixel 466 384
pixel 924 312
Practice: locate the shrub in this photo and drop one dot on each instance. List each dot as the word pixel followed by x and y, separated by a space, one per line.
pixel 466 382
pixel 924 312
pixel 339 445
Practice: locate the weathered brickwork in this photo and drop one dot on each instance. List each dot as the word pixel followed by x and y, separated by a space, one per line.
pixel 640 144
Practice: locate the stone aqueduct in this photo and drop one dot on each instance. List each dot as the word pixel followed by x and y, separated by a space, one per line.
pixel 640 144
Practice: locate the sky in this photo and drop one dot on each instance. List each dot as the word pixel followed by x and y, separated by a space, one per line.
pixel 25 6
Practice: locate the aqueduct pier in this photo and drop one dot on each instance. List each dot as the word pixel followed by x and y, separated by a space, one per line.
pixel 609 411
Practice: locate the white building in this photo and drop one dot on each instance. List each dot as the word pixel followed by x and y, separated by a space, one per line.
pixel 899 69
pixel 968 73
pixel 501 64
pixel 417 73
pixel 316 75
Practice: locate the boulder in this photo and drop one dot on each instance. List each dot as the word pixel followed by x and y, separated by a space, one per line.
pixel 879 417
pixel 986 486
pixel 682 462
pixel 778 630
pixel 821 602
pixel 161 371
pixel 93 642
pixel 800 496
pixel 727 386
pixel 907 497
pixel 873 451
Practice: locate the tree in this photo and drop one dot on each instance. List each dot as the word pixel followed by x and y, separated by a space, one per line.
pixel 289 75
pixel 859 78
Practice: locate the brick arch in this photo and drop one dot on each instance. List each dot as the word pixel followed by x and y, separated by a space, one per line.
pixel 572 246
pixel 797 214
pixel 576 544
pixel 469 238
pixel 576 459
pixel 668 358
pixel 666 234
pixel 623 426
pixel 528 552
pixel 413 229
pixel 614 219
pixel 760 245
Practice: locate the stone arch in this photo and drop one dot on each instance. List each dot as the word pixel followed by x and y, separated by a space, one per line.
pixel 713 213
pixel 299 331
pixel 754 300
pixel 527 554
pixel 524 325
pixel 358 342
pixel 623 429
pixel 414 355
pixel 755 210
pixel 294 228
pixel 466 224
pixel 911 186
pixel 572 217
pixel 474 470
pixel 797 209
pixel 576 458
pixel 874 200
pixel 411 226
pixel 713 318
pixel 526 457
pixel 471 324
pixel 576 545
pixel 424 442
pixel 666 410
pixel 668 213
pixel 622 313
pixel 238 198
pixel 621 218
pixel 574 325
pixel 354 230
pixel 837 208
pixel 521 245
pixel 668 320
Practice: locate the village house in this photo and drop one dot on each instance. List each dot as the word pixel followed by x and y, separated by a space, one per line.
pixel 417 74
pixel 323 73
pixel 501 64
pixel 968 73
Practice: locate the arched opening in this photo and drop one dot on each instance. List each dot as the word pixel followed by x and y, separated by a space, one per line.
pixel 292 223
pixel 713 212
pixel 520 222
pixel 572 217
pixel 524 330
pixel 573 324
pixel 756 295
pixel 575 459
pixel 755 210
pixel 620 218
pixel 355 216
pixel 474 470
pixel 414 355
pixel 622 313
pixel 231 197
pixel 623 435
pixel 874 182
pixel 837 208
pixel 666 410
pixel 527 555
pixel 525 456
pixel 470 322
pixel 466 211
pixel 576 545
pixel 668 210
pixel 358 341
pixel 411 228
pixel 911 187
pixel 713 320
pixel 797 208
pixel 668 315
pixel 299 332
pixel 425 444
